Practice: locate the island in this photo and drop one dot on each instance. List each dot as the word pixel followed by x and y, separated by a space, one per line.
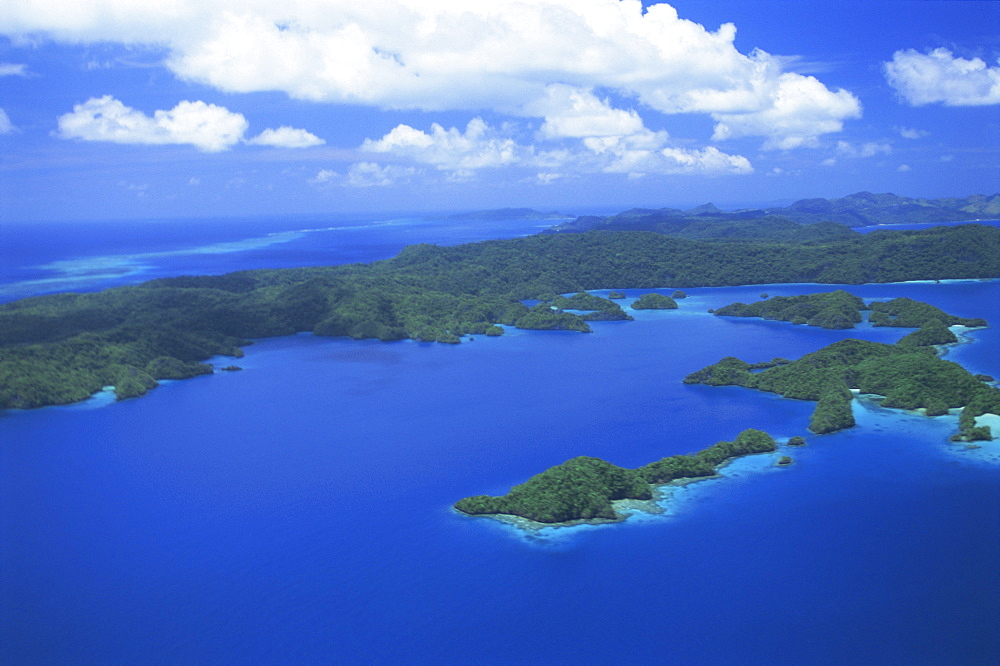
pixel 63 348
pixel 908 376
pixel 585 488
pixel 654 301
pixel 840 310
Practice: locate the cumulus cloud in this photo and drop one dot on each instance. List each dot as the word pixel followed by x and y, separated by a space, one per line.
pixel 868 149
pixel 6 127
pixel 13 69
pixel 911 132
pixel 636 151
pixel 370 174
pixel 799 109
pixel 477 147
pixel 500 55
pixel 940 77
pixel 286 137
pixel 208 127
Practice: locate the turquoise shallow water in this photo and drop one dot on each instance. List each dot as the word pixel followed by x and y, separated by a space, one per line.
pixel 299 510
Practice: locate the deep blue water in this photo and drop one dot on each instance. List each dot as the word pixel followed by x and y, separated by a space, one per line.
pixel 299 511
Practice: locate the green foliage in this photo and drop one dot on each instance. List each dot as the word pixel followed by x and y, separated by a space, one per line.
pixel 910 377
pixel 835 309
pixel 654 301
pixel 544 317
pixel 678 294
pixel 583 488
pixel 833 411
pixel 616 294
pixel 62 348
pixel 908 313
pixel 579 489
pixel 934 332
pixel 797 440
pixel 600 309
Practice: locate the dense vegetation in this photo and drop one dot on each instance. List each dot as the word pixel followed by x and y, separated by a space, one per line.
pixel 835 309
pixel 583 488
pixel 839 309
pixel 63 348
pixel 908 313
pixel 654 301
pixel 910 377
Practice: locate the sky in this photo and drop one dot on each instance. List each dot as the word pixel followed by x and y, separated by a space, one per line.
pixel 136 109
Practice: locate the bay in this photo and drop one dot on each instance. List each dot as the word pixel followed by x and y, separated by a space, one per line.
pixel 299 511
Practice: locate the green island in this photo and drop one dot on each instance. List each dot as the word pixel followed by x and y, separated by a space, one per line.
pixel 654 301
pixel 909 376
pixel 584 488
pixel 62 348
pixel 840 310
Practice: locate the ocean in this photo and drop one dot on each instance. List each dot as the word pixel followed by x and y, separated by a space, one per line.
pixel 300 511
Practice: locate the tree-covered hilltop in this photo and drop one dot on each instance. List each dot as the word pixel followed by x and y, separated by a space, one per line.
pixel 596 308
pixel 654 301
pixel 583 488
pixel 908 313
pixel 62 348
pixel 909 376
pixel 835 309
pixel 840 309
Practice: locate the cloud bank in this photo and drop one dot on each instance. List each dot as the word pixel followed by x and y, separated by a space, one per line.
pixel 544 59
pixel 939 77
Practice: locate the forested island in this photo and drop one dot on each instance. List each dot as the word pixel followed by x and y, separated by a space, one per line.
pixel 63 348
pixel 583 488
pixel 908 374
pixel 840 310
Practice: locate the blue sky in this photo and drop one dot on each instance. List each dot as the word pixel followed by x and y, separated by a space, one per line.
pixel 177 108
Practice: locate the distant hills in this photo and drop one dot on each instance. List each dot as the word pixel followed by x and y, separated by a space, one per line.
pixel 508 214
pixel 857 210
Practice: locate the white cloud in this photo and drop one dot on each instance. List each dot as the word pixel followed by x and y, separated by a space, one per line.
pixel 370 174
pixel 13 69
pixel 324 177
pixel 6 127
pixel 479 146
pixel 286 137
pixel 869 149
pixel 578 113
pixel 911 133
pixel 208 127
pixel 903 168
pixel 940 77
pixel 489 54
pixel 796 110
